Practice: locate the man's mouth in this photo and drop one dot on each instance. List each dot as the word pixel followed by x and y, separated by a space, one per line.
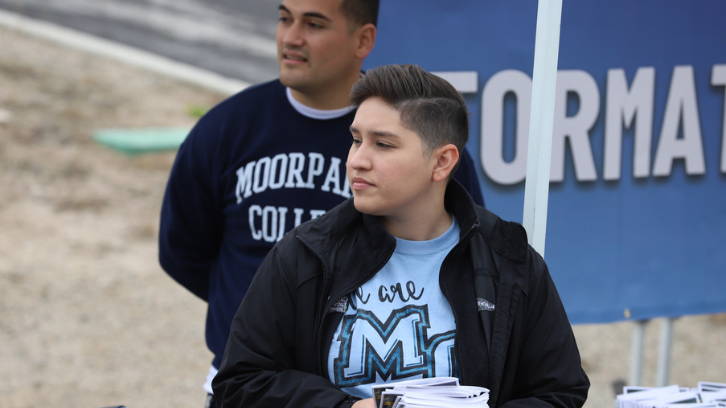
pixel 293 57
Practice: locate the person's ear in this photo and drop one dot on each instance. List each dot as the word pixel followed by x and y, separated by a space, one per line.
pixel 366 35
pixel 446 158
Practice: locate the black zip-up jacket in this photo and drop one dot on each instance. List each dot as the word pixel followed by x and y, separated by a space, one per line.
pixel 512 334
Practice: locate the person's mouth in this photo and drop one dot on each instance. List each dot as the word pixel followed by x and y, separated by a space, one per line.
pixel 294 57
pixel 359 183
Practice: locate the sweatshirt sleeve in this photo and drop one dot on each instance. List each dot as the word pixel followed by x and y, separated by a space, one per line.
pixel 259 365
pixel 191 224
pixel 466 174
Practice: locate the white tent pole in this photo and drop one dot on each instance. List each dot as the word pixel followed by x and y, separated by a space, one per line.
pixel 541 121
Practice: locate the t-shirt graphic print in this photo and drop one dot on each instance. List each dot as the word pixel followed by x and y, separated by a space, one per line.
pixel 398 325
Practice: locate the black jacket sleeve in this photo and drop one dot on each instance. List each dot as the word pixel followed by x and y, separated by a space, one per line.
pixel 548 368
pixel 259 364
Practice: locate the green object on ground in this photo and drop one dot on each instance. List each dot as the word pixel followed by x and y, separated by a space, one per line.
pixel 145 140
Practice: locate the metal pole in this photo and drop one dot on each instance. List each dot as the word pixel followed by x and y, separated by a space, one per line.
pixel 636 361
pixel 541 121
pixel 664 352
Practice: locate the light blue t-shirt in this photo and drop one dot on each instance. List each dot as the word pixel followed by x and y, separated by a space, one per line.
pixel 398 325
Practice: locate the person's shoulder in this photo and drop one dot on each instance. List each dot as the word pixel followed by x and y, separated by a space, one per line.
pixel 326 231
pixel 248 99
pixel 221 124
pixel 319 236
pixel 507 238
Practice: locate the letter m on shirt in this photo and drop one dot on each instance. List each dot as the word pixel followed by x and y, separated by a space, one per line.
pixel 395 349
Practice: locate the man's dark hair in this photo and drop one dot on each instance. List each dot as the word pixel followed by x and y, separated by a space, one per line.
pixel 429 105
pixel 360 12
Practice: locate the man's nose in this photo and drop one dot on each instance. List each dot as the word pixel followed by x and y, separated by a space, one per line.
pixel 293 35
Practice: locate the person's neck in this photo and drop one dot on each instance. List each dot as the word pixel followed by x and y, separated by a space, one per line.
pixel 322 102
pixel 326 98
pixel 424 226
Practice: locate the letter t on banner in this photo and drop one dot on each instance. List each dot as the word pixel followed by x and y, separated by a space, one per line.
pixel 541 122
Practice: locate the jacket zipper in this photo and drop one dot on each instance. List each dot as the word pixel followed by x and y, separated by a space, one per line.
pixel 457 248
pixel 320 319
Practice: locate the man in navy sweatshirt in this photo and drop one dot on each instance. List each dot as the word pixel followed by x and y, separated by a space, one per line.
pixel 268 159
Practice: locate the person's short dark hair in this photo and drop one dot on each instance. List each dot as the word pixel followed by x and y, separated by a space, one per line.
pixel 360 12
pixel 429 105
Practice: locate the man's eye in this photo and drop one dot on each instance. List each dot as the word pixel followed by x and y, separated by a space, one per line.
pixel 384 145
pixel 355 141
pixel 315 25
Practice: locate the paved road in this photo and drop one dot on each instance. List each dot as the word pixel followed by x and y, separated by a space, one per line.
pixel 235 38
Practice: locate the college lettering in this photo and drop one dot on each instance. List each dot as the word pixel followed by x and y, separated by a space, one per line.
pixel 292 171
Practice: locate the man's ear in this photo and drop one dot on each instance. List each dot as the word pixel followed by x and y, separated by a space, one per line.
pixel 366 40
pixel 446 158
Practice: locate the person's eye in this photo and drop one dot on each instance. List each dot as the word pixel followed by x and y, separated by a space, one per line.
pixel 315 26
pixel 384 145
pixel 355 141
pixel 283 19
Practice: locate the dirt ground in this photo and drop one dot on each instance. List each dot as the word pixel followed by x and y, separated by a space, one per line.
pixel 87 317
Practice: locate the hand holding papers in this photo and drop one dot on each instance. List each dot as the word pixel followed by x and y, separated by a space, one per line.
pixel 441 392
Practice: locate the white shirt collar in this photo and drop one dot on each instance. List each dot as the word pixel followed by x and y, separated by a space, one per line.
pixel 316 113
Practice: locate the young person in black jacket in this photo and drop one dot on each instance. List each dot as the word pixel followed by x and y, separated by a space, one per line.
pixel 407 279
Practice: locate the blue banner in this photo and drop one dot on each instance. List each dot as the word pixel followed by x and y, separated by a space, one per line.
pixel 637 205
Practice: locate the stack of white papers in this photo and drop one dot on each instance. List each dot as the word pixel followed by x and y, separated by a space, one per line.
pixel 706 395
pixel 442 392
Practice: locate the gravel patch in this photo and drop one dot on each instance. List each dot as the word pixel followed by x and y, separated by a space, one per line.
pixel 87 317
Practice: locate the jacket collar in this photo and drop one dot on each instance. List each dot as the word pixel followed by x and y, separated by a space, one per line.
pixel 325 234
pixel 353 246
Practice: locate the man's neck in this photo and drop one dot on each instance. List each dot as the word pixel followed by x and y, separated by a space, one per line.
pixel 321 102
pixel 326 98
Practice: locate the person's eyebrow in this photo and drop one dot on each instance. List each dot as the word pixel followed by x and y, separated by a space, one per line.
pixel 313 14
pixel 380 133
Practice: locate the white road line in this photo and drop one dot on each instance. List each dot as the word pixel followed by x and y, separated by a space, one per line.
pixel 121 52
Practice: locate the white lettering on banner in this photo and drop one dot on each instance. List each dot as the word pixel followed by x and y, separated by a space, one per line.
pixel 492 126
pixel 286 170
pixel 680 136
pixel 623 106
pixel 576 128
pixel 268 223
pixel 718 78
pixel 681 109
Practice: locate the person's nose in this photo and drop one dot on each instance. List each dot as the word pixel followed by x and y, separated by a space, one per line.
pixel 359 157
pixel 293 35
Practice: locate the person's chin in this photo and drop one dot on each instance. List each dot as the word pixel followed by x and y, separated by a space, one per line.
pixel 292 74
pixel 366 207
pixel 287 78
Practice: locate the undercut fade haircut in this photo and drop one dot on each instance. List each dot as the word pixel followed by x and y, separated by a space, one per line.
pixel 428 105
pixel 360 12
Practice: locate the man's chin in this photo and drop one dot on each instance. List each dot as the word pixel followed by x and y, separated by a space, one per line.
pixel 292 79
